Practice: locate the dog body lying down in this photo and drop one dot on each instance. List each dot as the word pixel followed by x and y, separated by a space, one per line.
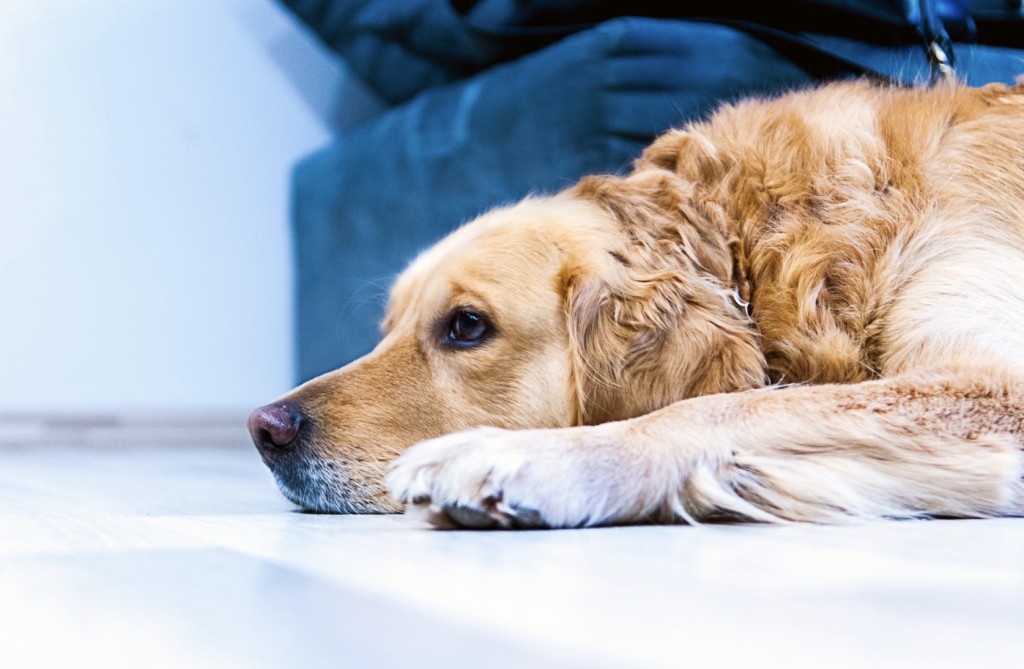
pixel 808 308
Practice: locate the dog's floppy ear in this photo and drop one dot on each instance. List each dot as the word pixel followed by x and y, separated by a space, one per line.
pixel 653 321
pixel 690 155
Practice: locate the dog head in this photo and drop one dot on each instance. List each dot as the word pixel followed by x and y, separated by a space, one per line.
pixel 606 301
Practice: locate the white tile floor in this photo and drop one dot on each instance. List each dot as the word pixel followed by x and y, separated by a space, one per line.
pixel 186 556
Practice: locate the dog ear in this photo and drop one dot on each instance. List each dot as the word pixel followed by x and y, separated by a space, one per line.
pixel 653 321
pixel 687 154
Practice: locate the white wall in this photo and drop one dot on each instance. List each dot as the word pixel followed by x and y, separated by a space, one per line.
pixel 144 156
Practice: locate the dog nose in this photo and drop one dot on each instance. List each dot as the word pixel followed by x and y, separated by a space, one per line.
pixel 274 428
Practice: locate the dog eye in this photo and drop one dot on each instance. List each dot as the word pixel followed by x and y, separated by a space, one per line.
pixel 467 328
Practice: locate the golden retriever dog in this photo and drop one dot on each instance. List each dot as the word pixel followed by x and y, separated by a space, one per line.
pixel 808 308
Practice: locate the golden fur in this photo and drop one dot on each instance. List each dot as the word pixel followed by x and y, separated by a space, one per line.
pixel 806 308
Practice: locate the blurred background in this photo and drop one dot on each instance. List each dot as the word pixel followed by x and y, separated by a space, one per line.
pixel 203 202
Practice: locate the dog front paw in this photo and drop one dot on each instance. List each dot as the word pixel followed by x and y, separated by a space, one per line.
pixel 489 478
pixel 479 479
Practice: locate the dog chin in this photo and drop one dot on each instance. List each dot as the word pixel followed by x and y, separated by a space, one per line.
pixel 319 487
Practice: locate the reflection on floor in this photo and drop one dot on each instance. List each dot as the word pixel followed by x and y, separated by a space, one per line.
pixel 172 555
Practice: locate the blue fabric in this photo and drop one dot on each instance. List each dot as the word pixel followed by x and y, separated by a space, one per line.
pixel 401 47
pixel 478 126
pixel 398 47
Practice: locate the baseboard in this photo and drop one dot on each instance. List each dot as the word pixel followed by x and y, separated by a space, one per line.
pixel 137 428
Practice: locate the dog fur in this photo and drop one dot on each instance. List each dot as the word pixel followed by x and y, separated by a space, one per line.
pixel 808 308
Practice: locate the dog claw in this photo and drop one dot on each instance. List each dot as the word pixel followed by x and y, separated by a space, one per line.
pixel 528 519
pixel 519 518
pixel 468 517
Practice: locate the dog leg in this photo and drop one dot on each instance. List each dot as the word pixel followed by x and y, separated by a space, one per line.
pixel 922 444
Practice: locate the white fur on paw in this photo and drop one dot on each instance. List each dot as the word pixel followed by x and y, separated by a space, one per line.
pixel 491 478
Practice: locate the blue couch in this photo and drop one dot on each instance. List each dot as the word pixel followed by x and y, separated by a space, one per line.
pixel 491 100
